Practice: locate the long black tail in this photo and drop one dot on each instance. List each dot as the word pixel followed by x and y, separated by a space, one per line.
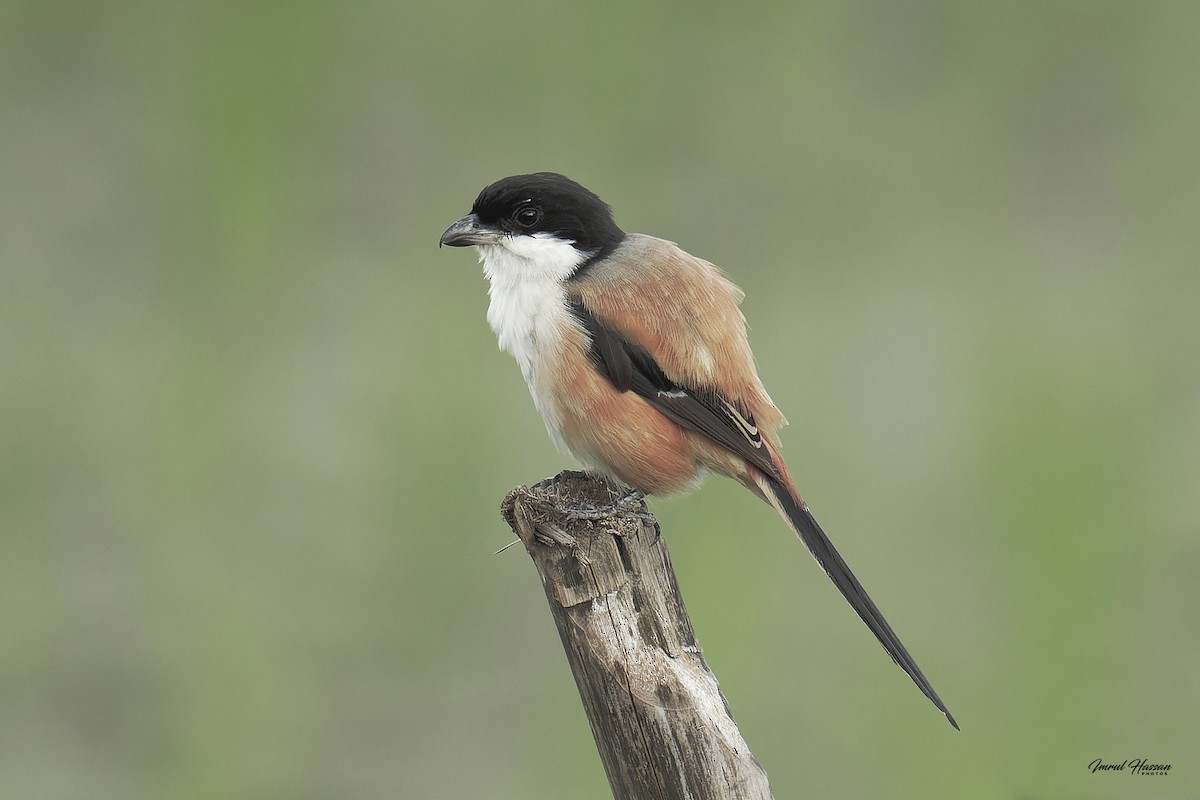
pixel 797 514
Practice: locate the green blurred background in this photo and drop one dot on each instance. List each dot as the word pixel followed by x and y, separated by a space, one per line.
pixel 255 428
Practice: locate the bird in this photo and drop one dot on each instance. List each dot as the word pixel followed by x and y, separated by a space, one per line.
pixel 637 356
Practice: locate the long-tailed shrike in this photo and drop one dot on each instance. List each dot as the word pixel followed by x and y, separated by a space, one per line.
pixel 637 358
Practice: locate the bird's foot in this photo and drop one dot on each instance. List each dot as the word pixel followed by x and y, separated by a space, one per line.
pixel 627 504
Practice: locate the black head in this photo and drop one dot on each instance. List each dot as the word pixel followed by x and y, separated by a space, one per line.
pixel 540 203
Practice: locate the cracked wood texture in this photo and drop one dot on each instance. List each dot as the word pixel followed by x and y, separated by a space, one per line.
pixel 661 724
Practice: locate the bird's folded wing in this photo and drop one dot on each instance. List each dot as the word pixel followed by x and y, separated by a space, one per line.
pixel 669 322
pixel 701 409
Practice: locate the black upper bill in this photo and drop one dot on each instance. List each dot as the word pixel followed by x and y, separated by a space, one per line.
pixel 468 231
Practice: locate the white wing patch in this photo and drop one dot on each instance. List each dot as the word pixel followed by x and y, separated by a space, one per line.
pixel 748 428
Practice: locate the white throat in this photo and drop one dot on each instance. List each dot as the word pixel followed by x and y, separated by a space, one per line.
pixel 528 299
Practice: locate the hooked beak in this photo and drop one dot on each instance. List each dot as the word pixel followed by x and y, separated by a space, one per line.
pixel 468 231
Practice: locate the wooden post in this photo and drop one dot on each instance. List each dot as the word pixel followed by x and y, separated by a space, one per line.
pixel 661 724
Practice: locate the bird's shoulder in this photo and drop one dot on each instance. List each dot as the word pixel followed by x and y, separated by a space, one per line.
pixel 682 312
pixel 650 270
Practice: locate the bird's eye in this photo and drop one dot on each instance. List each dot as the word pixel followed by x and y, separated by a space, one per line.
pixel 527 217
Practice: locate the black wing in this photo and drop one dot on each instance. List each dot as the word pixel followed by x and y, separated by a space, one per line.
pixel 630 368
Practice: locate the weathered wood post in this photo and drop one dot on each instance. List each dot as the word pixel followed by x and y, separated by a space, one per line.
pixel 661 724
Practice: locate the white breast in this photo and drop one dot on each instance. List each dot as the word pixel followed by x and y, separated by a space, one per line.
pixel 528 309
